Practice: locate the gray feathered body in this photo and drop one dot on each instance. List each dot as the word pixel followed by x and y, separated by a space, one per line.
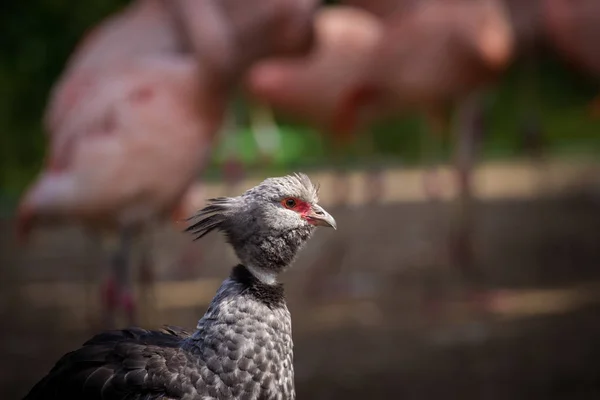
pixel 242 349
pixel 245 341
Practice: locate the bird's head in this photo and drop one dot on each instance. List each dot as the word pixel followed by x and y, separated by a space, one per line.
pixel 268 224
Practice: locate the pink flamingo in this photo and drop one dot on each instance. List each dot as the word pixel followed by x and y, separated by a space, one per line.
pixel 345 36
pixel 434 54
pixel 132 119
pixel 133 160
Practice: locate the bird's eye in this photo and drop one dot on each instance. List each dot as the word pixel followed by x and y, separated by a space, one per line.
pixel 289 203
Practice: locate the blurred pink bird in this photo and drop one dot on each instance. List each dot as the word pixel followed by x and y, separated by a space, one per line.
pixel 131 161
pixel 431 54
pixel 434 54
pixel 132 118
pixel 309 88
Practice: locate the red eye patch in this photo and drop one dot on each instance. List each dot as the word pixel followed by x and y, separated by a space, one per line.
pixel 295 204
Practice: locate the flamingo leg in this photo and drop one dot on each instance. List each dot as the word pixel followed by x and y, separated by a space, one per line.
pixel 374 176
pixel 126 299
pixel 108 295
pixel 431 139
pixel 434 128
pixel 117 291
pixel 531 127
pixel 147 278
pixel 467 129
pixel 91 244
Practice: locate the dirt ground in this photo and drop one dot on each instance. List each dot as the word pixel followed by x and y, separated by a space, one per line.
pixel 381 308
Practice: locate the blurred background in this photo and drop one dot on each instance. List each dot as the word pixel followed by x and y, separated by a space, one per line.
pixel 465 265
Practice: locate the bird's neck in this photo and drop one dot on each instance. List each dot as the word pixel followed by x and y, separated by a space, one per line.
pixel 266 256
pixel 243 286
pixel 242 294
pixel 269 294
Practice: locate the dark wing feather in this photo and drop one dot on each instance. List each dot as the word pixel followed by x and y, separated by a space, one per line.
pixel 176 331
pixel 132 364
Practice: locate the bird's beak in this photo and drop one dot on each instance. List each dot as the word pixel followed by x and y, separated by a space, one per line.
pixel 319 217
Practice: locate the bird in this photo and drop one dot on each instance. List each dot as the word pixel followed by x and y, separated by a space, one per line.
pixel 242 346
pixel 127 160
pixel 345 37
pixel 128 92
pixel 434 53
pixel 133 117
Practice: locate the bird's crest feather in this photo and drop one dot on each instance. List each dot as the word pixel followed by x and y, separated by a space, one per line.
pixel 210 217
